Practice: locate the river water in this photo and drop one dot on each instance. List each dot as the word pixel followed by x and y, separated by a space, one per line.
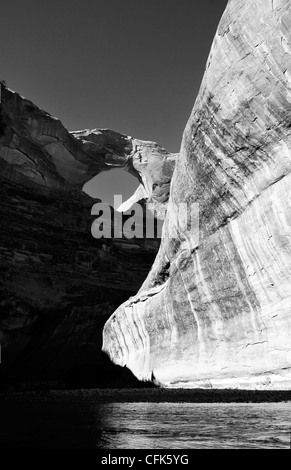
pixel 78 421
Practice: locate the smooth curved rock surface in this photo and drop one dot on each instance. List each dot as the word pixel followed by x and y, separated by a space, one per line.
pixel 217 313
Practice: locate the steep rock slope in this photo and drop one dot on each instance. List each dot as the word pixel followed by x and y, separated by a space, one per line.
pixel 215 311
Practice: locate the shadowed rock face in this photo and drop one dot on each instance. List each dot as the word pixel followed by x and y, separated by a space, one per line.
pixel 216 312
pixel 58 285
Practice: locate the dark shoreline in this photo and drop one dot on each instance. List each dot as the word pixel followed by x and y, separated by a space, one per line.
pixel 152 395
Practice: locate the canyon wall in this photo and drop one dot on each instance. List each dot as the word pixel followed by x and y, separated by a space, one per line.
pixel 58 285
pixel 215 309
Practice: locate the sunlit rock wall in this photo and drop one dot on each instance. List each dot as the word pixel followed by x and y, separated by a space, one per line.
pixel 216 311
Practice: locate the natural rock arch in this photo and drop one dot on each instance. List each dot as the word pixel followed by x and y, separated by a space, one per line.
pixel 74 158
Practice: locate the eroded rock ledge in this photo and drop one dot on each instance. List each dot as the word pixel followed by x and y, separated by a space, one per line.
pixel 218 313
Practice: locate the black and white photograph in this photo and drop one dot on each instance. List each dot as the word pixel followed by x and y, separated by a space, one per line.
pixel 145 229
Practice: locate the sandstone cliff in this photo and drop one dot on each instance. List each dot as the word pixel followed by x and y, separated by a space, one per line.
pixel 216 312
pixel 58 285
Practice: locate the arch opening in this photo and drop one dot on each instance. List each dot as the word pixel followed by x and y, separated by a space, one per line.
pixel 108 184
pixel 116 189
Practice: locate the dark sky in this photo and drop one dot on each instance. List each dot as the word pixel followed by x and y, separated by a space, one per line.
pixel 130 65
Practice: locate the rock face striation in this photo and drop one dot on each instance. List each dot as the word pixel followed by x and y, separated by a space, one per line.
pixel 215 311
pixel 58 285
